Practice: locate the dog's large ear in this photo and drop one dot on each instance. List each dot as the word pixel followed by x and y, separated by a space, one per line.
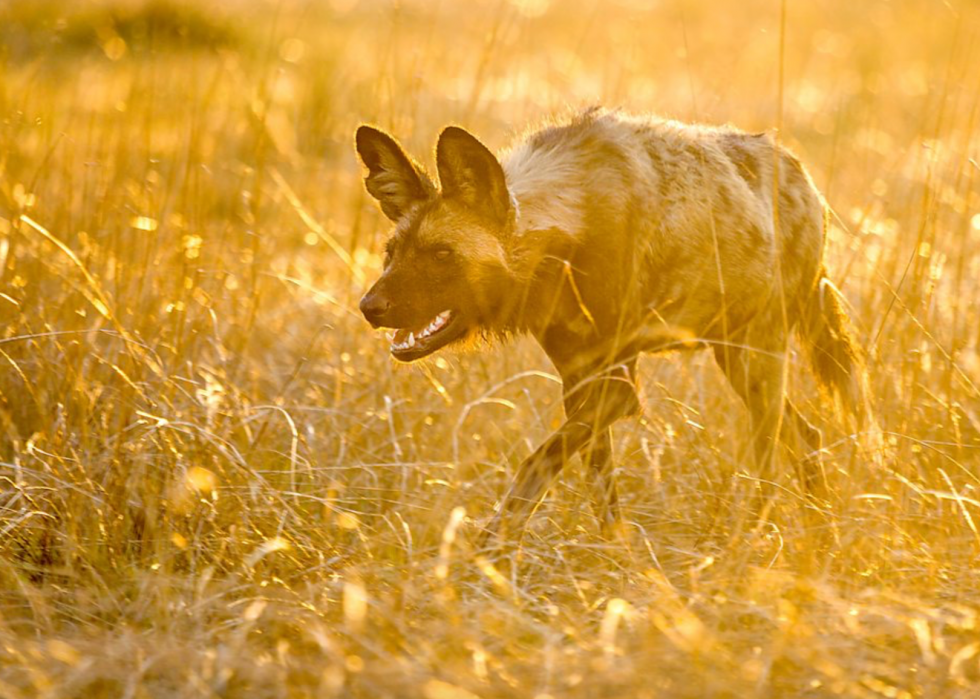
pixel 469 172
pixel 393 178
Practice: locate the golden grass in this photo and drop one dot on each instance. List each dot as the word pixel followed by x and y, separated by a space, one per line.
pixel 213 481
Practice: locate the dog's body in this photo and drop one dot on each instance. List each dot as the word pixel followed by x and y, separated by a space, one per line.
pixel 603 237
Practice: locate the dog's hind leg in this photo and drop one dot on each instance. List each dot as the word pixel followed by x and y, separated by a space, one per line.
pixel 757 373
pixel 804 442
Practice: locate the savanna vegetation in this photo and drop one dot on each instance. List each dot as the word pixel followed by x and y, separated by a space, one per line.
pixel 215 483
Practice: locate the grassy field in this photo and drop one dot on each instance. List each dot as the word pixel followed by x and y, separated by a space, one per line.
pixel 215 483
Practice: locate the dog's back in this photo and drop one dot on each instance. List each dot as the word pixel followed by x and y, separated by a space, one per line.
pixel 675 222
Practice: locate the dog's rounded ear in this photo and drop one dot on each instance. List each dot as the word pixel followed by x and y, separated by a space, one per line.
pixel 393 178
pixel 469 172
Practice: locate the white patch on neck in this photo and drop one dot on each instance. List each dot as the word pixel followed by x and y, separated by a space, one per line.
pixel 547 182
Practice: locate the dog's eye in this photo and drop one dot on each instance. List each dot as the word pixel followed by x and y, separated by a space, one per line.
pixel 442 253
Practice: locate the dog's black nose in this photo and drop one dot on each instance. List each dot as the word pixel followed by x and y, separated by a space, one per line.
pixel 374 307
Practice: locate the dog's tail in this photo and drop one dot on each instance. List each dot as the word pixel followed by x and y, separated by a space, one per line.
pixel 837 359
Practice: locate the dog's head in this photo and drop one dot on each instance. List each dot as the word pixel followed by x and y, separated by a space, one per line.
pixel 446 263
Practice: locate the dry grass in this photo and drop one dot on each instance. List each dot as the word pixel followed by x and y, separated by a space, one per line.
pixel 213 481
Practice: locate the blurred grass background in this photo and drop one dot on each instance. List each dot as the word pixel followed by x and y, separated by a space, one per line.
pixel 214 482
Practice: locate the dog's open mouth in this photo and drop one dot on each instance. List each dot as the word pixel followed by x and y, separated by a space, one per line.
pixel 409 344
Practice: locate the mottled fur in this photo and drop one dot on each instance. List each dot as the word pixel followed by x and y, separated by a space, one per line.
pixel 607 235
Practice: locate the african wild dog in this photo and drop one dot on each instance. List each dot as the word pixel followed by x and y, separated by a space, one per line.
pixel 604 236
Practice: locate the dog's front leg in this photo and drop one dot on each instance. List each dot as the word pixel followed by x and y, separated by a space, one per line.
pixel 609 398
pixel 535 475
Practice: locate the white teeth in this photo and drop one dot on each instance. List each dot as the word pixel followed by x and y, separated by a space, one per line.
pixel 434 326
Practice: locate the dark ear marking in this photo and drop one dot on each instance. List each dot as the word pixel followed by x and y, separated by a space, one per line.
pixel 393 178
pixel 469 172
